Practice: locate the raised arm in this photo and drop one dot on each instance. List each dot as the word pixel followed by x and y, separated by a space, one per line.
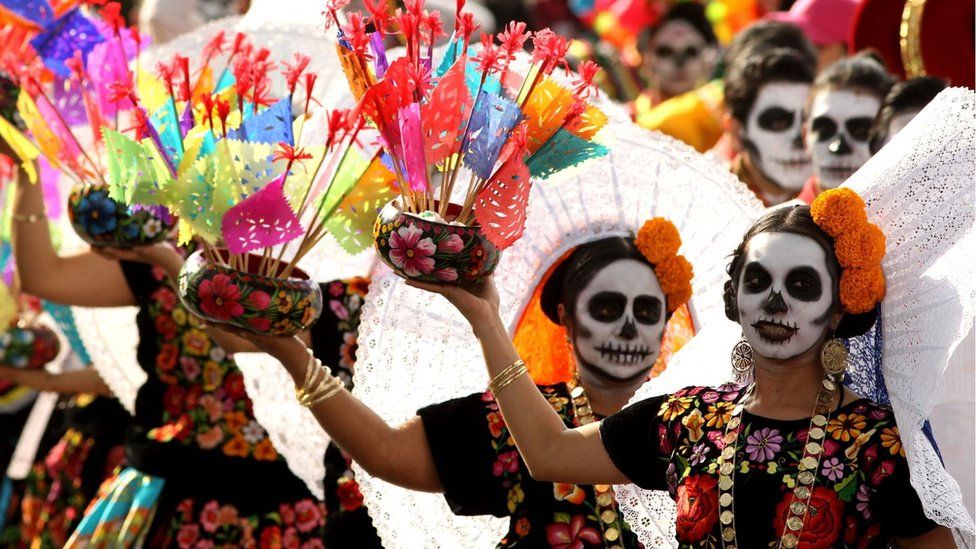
pixel 399 455
pixel 552 452
pixel 85 279
pixel 74 382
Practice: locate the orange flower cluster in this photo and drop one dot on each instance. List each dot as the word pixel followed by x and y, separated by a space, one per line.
pixel 658 240
pixel 858 245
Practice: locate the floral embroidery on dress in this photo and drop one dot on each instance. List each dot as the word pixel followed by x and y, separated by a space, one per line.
pixel 861 452
pixel 204 402
pixel 212 524
pixel 573 520
pixel 345 299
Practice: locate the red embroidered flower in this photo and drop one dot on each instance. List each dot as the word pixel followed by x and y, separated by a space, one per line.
pixel 271 537
pixel 495 424
pixel 572 535
pixel 220 298
pixel 507 462
pixel 697 507
pixel 307 515
pixel 824 519
pixel 166 359
pixel 350 498
pixel 568 492
pixel 234 385
pixel 209 517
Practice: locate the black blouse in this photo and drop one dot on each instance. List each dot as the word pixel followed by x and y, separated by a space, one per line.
pixel 862 496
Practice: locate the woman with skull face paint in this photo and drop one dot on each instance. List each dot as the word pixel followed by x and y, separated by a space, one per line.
pixel 610 300
pixel 837 478
pixel 765 94
pixel 843 104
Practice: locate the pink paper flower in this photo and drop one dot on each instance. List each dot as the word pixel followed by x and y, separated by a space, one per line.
pixel 220 299
pixel 574 535
pixel 411 253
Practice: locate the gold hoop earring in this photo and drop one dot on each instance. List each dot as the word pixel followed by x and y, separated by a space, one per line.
pixel 833 357
pixel 743 361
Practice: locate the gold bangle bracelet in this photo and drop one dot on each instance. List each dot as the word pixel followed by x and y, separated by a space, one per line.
pixel 29 218
pixel 319 384
pixel 507 376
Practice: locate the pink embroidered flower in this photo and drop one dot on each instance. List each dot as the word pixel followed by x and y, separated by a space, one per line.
pixel 287 514
pixel 763 444
pixel 863 498
pixel 833 469
pixel 307 515
pixel 507 462
pixel 290 540
pixel 338 309
pixel 411 253
pixel 227 515
pixel 446 274
pixel 451 244
pixel 208 440
pixel 574 535
pixel 187 535
pixel 191 368
pixel 219 298
pixel 209 517
pixel 259 300
pixel 313 544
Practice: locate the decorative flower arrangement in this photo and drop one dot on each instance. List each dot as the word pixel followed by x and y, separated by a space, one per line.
pixel 464 136
pixel 23 342
pixel 215 148
pixel 658 240
pixel 71 65
pixel 859 246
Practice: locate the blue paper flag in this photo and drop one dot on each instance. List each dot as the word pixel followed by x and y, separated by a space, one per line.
pixel 35 11
pixel 225 81
pixel 561 151
pixel 272 126
pixel 57 43
pixel 491 123
pixel 168 127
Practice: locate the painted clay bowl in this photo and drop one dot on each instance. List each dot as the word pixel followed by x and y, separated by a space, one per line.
pixel 259 304
pixel 28 347
pixel 103 222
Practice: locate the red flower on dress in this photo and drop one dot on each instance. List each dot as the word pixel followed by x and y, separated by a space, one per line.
pixel 824 521
pixel 697 507
pixel 350 498
pixel 410 252
pixel 307 515
pixel 572 535
pixel 270 537
pixel 220 298
pixel 234 385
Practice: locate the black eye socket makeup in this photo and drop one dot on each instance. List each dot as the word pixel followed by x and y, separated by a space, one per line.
pixel 607 306
pixel 776 119
pixel 823 128
pixel 755 278
pixel 804 284
pixel 859 128
pixel 647 309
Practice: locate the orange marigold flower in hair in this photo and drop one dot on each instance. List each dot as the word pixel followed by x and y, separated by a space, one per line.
pixel 658 240
pixel 838 210
pixel 674 274
pixel 861 289
pixel 863 247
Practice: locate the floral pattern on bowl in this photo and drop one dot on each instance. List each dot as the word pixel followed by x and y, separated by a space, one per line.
pixel 260 304
pixel 432 251
pixel 101 221
pixel 28 347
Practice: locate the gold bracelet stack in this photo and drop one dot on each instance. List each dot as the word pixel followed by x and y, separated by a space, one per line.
pixel 507 376
pixel 319 384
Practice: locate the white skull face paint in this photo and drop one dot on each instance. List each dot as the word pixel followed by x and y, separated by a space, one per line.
pixel 837 135
pixel 774 134
pixel 620 319
pixel 784 294
pixel 680 58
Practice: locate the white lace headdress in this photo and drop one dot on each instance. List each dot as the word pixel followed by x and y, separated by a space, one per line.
pixel 416 350
pixel 919 189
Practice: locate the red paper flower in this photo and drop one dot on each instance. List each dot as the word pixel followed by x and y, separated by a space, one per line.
pixel 121 89
pixel 290 154
pixel 378 14
pixel 223 111
pixel 214 47
pixel 587 71
pixel 513 38
pixel 112 14
pixel 549 49
pixel 465 27
pixel 167 73
pixel 432 26
pixel 220 299
pixel 293 72
pixel 489 57
pixel 354 32
pixel 310 78
pixel 184 66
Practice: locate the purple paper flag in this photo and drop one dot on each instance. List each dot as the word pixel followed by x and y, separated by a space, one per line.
pixel 72 32
pixel 35 11
pixel 261 220
pixel 380 63
pixel 491 123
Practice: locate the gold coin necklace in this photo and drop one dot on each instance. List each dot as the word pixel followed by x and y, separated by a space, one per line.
pixel 610 520
pixel 807 469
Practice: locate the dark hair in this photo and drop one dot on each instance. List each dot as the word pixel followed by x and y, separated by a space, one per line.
pixel 744 80
pixel 580 268
pixel 796 220
pixel 865 71
pixel 766 35
pixel 911 95
pixel 691 13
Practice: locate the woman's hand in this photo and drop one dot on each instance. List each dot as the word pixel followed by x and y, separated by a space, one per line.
pixel 478 302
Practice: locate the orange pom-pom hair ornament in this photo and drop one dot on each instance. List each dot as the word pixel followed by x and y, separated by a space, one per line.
pixel 859 246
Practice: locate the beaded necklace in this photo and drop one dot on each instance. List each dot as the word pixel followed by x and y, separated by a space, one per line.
pixel 807 470
pixel 610 520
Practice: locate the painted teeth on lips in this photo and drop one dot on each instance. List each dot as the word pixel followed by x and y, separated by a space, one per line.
pixel 794 163
pixel 623 354
pixel 774 331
